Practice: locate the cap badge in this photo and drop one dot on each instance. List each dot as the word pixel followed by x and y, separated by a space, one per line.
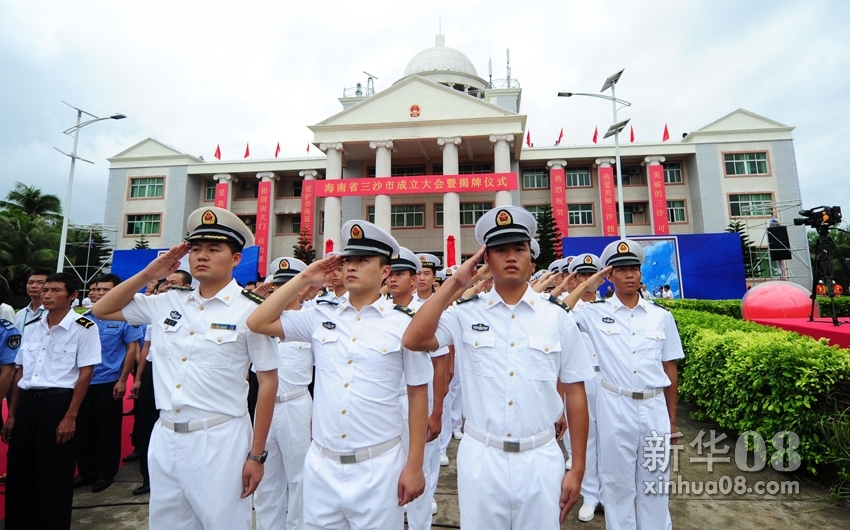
pixel 448 272
pixel 394 256
pixel 570 260
pixel 588 260
pixel 356 232
pixel 503 218
pixel 208 218
pixel 622 248
pixel 422 259
pixel 283 265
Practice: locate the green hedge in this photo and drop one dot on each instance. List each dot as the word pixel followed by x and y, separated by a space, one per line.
pixel 842 306
pixel 748 377
pixel 732 308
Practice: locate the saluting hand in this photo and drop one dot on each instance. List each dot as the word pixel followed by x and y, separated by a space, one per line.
pixel 594 282
pixel 166 263
pixel 466 271
pixel 315 272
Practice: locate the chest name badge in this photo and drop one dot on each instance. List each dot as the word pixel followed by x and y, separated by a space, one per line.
pixel 328 325
pixel 175 315
pixel 480 327
pixel 112 325
pixel 223 326
pixel 608 320
pixel 169 322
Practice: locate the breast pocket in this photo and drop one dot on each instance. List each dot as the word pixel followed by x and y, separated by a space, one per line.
pixel 64 355
pixel 383 360
pixel 220 353
pixel 480 346
pixel 609 338
pixel 325 347
pixel 544 354
pixel 166 343
pixel 29 350
pixel 654 342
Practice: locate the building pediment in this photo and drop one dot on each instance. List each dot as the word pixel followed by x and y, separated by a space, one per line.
pixel 152 152
pixel 740 125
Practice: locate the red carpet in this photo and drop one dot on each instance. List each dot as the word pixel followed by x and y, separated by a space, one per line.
pixel 820 328
pixel 126 446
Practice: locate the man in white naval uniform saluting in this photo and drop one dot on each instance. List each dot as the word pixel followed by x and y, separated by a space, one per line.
pixel 512 348
pixel 355 475
pixel 204 465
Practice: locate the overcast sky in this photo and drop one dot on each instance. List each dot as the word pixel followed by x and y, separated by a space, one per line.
pixel 194 74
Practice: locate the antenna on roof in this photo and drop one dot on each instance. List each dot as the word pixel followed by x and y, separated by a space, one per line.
pixel 509 67
pixel 370 83
pixel 490 68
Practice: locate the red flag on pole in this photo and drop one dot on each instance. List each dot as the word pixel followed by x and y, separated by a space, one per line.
pixel 666 134
pixel 560 137
pixel 308 146
pixel 528 138
pixel 277 150
pixel 632 135
pixel 217 152
pixel 450 251
pixel 329 246
pixel 595 134
pixel 247 151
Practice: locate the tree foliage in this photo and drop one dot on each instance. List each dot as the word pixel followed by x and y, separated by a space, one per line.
pixel 142 243
pixel 304 249
pixel 748 250
pixel 549 238
pixel 841 237
pixel 32 202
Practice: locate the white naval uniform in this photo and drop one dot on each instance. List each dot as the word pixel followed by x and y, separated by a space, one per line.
pixel 591 487
pixel 359 365
pixel 288 442
pixel 631 344
pixel 509 360
pixel 328 297
pixel 202 352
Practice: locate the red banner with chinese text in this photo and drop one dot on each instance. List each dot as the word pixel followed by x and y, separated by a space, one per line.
pixel 261 238
pixel 308 201
pixel 658 201
pixel 559 199
pixel 420 184
pixel 222 190
pixel 608 202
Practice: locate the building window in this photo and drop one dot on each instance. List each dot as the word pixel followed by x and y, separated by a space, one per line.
pixel 632 176
pixel 536 211
pixel 676 212
pixel 578 177
pixel 248 189
pixel 438 214
pixel 146 188
pixel 209 190
pixel 762 266
pixel 400 171
pixel 634 213
pixel 471 212
pixel 297 186
pixel 288 224
pixel 475 168
pixel 580 214
pixel 250 221
pixel 750 204
pixel 746 163
pixel 146 224
pixel 406 216
pixel 673 173
pixel 536 178
pixel 295 227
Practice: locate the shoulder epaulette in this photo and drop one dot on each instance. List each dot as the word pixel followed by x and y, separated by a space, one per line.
pixel 600 301
pixel 468 299
pixel 558 302
pixel 180 288
pixel 6 324
pixel 404 309
pixel 83 321
pixel 252 296
pixel 653 302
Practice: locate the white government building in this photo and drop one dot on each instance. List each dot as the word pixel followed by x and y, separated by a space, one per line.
pixel 442 118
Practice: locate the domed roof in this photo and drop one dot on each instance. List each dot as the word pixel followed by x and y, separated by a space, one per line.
pixel 440 57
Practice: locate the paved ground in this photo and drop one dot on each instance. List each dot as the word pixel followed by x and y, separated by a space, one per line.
pixel 116 509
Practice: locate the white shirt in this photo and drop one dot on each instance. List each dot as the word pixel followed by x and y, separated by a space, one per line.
pixel 296 366
pixel 417 299
pixel 7 313
pixel 510 358
pixel 588 344
pixel 27 315
pixel 202 350
pixel 329 296
pixel 87 303
pixel 439 352
pixel 52 357
pixel 359 365
pixel 668 295
pixel 148 339
pixel 631 343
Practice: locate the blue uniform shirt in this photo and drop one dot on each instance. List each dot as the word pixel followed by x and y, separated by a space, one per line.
pixel 115 336
pixel 10 341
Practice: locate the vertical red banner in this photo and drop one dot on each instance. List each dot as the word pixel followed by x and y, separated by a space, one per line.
pixel 308 201
pixel 261 238
pixel 658 201
pixel 222 191
pixel 608 202
pixel 559 199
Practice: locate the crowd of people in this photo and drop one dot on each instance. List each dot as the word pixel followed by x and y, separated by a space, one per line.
pixel 326 395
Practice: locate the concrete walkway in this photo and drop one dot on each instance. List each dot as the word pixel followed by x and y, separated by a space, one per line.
pixel 809 507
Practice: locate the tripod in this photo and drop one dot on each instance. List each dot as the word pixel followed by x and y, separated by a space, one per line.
pixel 825 252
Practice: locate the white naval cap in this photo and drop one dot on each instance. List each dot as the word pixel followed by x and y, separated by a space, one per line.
pixel 535 249
pixel 588 263
pixel 505 224
pixel 447 273
pixel 622 253
pixel 284 269
pixel 406 261
pixel 555 266
pixel 565 263
pixel 537 275
pixel 217 224
pixel 429 261
pixel 367 239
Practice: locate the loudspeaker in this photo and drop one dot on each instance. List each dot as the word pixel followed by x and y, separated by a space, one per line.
pixel 777 243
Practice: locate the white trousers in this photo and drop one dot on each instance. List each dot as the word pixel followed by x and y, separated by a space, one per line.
pixel 456 399
pixel 196 477
pixel 361 496
pixel 419 511
pixel 591 487
pixel 288 443
pixel 623 424
pixel 499 490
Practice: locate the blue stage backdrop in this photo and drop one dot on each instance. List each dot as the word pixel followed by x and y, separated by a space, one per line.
pixel 705 266
pixel 126 263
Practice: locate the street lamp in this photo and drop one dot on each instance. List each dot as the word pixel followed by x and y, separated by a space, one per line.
pixel 614 131
pixel 60 265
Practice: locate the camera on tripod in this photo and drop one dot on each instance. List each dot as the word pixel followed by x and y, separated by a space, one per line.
pixel 820 216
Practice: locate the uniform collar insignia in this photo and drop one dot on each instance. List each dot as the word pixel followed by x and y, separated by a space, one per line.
pixel 328 325
pixel 480 327
pixel 608 320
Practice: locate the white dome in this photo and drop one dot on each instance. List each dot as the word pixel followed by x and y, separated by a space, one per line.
pixel 440 58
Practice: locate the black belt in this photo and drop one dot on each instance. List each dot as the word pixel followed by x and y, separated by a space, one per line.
pixel 42 393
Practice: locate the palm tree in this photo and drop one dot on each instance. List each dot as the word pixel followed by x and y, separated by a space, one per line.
pixel 31 201
pixel 27 244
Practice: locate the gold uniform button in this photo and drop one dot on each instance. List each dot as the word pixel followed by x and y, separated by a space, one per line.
pixel 323 339
pixel 353 339
pixel 546 348
pixel 532 302
pixel 512 374
pixel 178 385
pixel 384 350
pixel 509 435
pixel 350 361
pixel 358 319
pixel 218 340
pixel 510 403
pixel 490 302
pixel 476 344
pixel 343 411
pixel 512 344
pixel 191 333
pixel 39 360
pixel 201 308
pixel 177 411
pixel 345 385
pixel 343 436
pixel 183 359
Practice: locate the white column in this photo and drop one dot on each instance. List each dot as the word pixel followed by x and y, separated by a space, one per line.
pixel 309 174
pixel 224 178
pixel 451 201
pixel 383 169
pixel 502 144
pixel 333 205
